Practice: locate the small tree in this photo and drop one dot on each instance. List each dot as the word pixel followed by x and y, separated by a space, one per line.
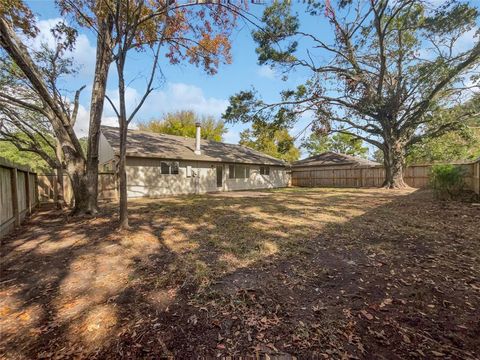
pixel 183 123
pixel 447 180
pixel 200 36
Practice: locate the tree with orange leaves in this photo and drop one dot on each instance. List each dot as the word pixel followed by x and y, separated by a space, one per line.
pixel 194 31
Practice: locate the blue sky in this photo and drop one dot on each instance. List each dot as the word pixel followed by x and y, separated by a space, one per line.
pixel 182 86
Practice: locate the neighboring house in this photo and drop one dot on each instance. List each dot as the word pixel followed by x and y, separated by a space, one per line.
pixel 332 160
pixel 332 169
pixel 159 164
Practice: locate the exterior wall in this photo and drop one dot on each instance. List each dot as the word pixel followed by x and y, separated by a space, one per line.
pixel 278 178
pixel 144 178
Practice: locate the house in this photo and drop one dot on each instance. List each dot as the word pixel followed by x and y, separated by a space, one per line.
pixel 333 169
pixel 160 164
pixel 332 160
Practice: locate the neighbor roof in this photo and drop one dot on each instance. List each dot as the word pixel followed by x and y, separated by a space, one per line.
pixel 153 145
pixel 330 158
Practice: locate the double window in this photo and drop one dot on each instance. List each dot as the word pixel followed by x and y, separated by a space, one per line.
pixel 264 170
pixel 238 172
pixel 169 168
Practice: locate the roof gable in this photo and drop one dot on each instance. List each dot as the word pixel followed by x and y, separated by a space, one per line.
pixel 163 146
pixel 331 158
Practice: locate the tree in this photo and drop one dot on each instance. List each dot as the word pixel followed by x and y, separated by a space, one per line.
pixel 389 66
pixel 276 142
pixel 199 36
pixel 340 143
pixel 10 152
pixel 378 156
pixel 33 86
pixel 461 144
pixel 183 123
pixel 29 132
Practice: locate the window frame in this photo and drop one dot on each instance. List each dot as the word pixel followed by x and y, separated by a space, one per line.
pixel 169 165
pixel 238 171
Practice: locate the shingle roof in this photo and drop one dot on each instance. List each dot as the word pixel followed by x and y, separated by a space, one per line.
pixel 330 158
pixel 147 144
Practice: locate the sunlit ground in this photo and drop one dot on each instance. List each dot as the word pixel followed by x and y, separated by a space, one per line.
pixel 78 283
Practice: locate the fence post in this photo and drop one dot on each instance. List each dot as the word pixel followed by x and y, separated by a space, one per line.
pixel 14 182
pixel 361 177
pixel 37 200
pixel 27 194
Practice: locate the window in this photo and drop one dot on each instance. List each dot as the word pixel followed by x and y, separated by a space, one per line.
pixel 174 168
pixel 238 172
pixel 264 170
pixel 169 168
pixel 165 168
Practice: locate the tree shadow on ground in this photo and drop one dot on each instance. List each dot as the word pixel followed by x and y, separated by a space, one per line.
pixel 317 273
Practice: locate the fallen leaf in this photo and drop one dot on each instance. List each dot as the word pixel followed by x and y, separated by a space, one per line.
pixel 367 315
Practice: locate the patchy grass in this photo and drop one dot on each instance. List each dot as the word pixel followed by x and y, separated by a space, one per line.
pixel 288 272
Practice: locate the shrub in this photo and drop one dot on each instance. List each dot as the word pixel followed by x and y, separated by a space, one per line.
pixel 447 180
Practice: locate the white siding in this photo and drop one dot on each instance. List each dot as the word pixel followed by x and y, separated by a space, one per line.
pixel 144 178
pixel 278 178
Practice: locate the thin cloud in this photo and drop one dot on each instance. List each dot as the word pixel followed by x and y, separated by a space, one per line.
pixel 266 71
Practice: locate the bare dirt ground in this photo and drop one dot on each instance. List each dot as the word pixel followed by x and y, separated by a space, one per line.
pixel 305 273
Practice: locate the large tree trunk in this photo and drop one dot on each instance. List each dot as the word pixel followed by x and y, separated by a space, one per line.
pixel 59 173
pixel 394 160
pixel 96 109
pixel 60 187
pixel 76 173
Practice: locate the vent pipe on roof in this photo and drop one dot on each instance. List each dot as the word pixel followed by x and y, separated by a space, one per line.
pixel 197 139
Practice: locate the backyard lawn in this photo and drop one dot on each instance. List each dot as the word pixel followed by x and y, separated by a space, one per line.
pixel 305 273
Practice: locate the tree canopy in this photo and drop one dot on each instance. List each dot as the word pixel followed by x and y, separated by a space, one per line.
pixel 340 143
pixel 378 75
pixel 183 123
pixel 276 142
pixel 32 160
pixel 456 145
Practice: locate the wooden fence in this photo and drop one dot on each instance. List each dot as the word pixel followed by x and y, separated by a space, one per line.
pixel 476 177
pixel 48 190
pixel 416 176
pixel 18 195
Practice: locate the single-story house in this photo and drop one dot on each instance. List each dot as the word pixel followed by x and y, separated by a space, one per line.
pixel 333 169
pixel 160 164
